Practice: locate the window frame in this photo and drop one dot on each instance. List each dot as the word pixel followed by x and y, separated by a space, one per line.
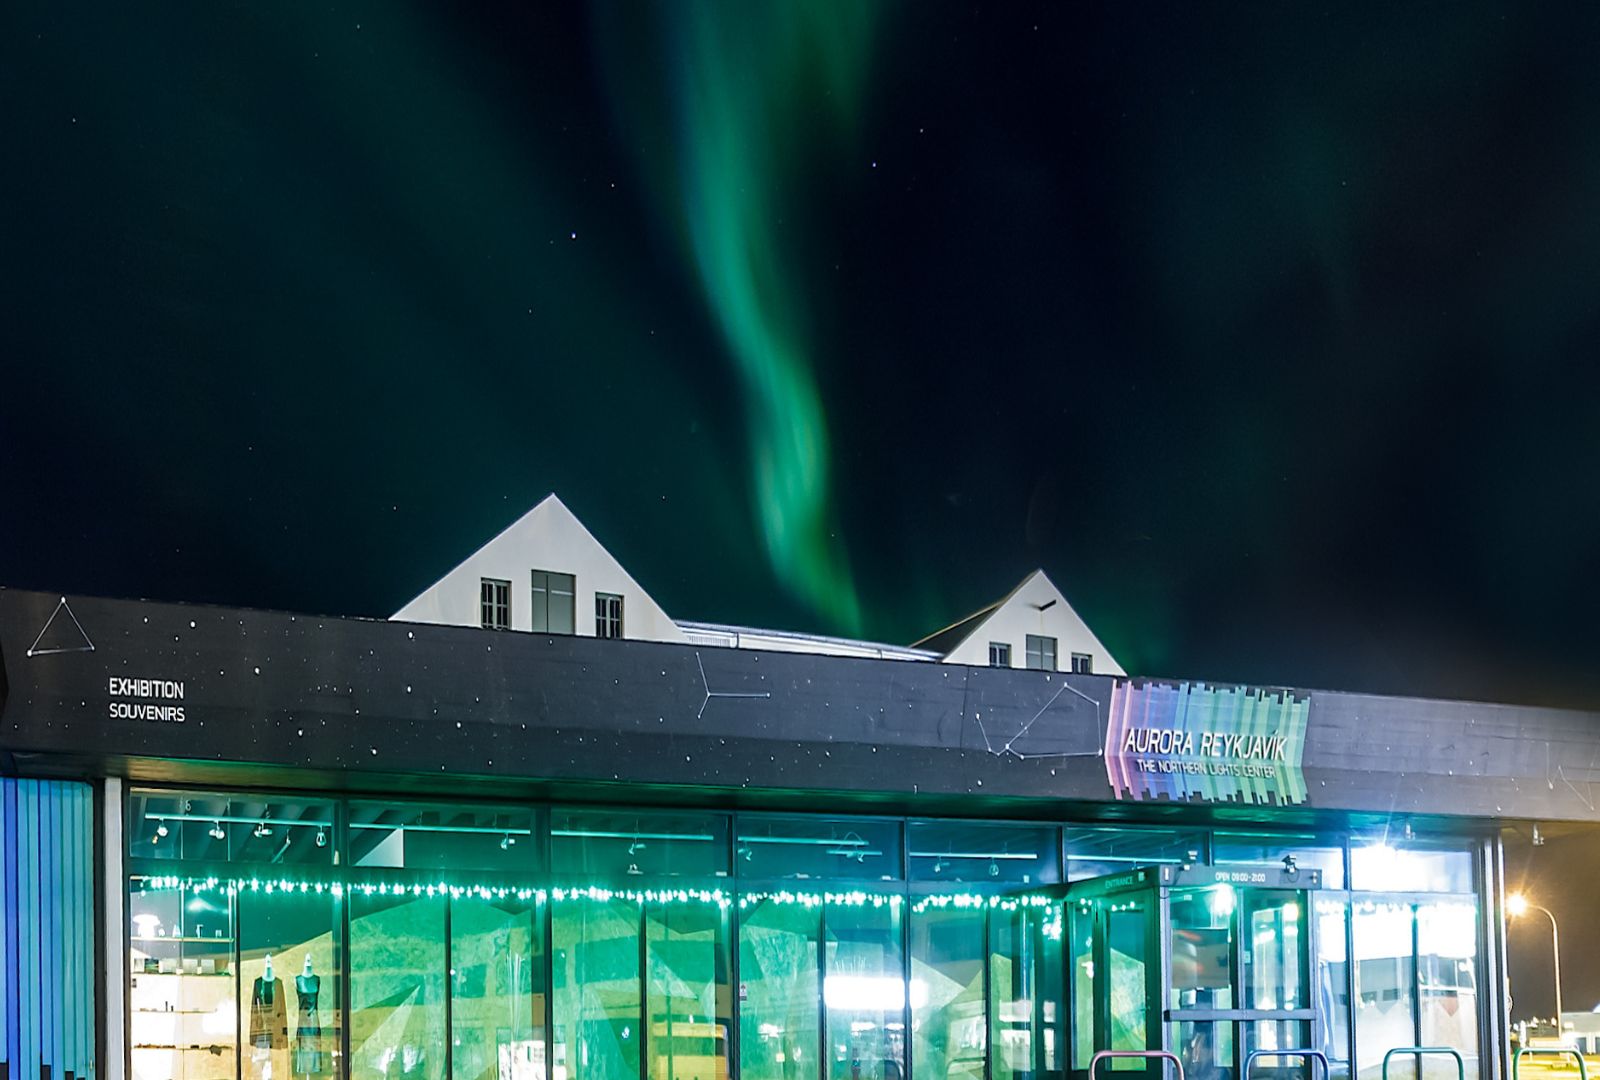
pixel 1034 646
pixel 541 583
pixel 1003 649
pixel 603 617
pixel 497 601
pixel 1087 665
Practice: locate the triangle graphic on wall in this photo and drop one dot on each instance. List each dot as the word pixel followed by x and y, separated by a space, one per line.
pixel 62 633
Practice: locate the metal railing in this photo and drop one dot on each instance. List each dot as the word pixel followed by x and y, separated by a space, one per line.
pixel 1559 1051
pixel 1296 1052
pixel 1420 1052
pixel 1147 1055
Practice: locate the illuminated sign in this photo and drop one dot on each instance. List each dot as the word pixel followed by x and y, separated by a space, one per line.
pixel 1190 741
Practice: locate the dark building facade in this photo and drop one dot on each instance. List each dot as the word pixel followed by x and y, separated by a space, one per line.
pixel 268 845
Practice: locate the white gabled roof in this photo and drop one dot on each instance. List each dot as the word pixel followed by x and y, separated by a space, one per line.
pixel 1035 606
pixel 547 537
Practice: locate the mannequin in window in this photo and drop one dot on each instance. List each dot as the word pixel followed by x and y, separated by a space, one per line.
pixel 269 1023
pixel 309 1058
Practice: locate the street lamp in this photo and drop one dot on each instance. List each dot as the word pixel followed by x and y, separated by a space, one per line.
pixel 1517 905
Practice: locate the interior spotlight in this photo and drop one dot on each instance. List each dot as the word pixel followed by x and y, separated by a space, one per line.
pixel 216 831
pixel 1409 835
pixel 262 829
pixel 1291 866
pixel 747 853
pixel 506 841
pixel 322 838
pixel 994 868
pixel 938 866
pixel 1538 837
pixel 161 829
pixel 635 847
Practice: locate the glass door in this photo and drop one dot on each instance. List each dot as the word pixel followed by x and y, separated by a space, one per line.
pixel 1237 968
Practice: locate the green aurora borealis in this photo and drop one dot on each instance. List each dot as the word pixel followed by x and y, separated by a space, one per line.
pixel 758 92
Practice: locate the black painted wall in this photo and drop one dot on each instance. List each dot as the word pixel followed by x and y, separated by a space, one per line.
pixel 282 700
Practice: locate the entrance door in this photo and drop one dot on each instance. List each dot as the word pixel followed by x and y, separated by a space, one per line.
pixel 1210 972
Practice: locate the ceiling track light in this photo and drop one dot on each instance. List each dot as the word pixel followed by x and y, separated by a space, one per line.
pixel 216 831
pixel 1538 837
pixel 507 841
pixel 322 838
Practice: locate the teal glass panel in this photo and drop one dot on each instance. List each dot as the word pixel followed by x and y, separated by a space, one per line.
pixel 1202 948
pixel 690 1001
pixel 597 1006
pixel 864 991
pixel 778 991
pixel 289 964
pixel 1447 981
pixel 1025 993
pixel 1330 989
pixel 397 987
pixel 183 1010
pixel 1385 987
pixel 497 989
pixel 1127 949
pixel 1273 926
pixel 948 1024
pixel 1080 951
pixel 1206 1049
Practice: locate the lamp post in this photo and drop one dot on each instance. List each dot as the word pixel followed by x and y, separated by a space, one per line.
pixel 1517 904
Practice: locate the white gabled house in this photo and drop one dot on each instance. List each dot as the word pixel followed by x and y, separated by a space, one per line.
pixel 546 573
pixel 1032 626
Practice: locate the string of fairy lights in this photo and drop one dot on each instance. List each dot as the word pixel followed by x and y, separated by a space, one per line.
pixel 721 898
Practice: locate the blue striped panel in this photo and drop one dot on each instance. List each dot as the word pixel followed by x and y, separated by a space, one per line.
pixel 47 933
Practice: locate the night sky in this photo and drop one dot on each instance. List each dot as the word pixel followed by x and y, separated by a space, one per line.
pixel 1269 331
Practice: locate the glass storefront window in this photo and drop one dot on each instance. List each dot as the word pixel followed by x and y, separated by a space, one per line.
pixel 182 1004
pixel 429 921
pixel 1202 948
pixel 998 854
pixel 616 846
pixel 778 992
pixel 289 964
pixel 497 989
pixel 864 992
pixel 947 994
pixel 827 848
pixel 596 991
pixel 690 1001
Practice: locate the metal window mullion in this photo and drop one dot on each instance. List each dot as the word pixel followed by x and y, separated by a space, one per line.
pixel 988 995
pixel 548 935
pixel 644 995
pixel 822 991
pixel 342 953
